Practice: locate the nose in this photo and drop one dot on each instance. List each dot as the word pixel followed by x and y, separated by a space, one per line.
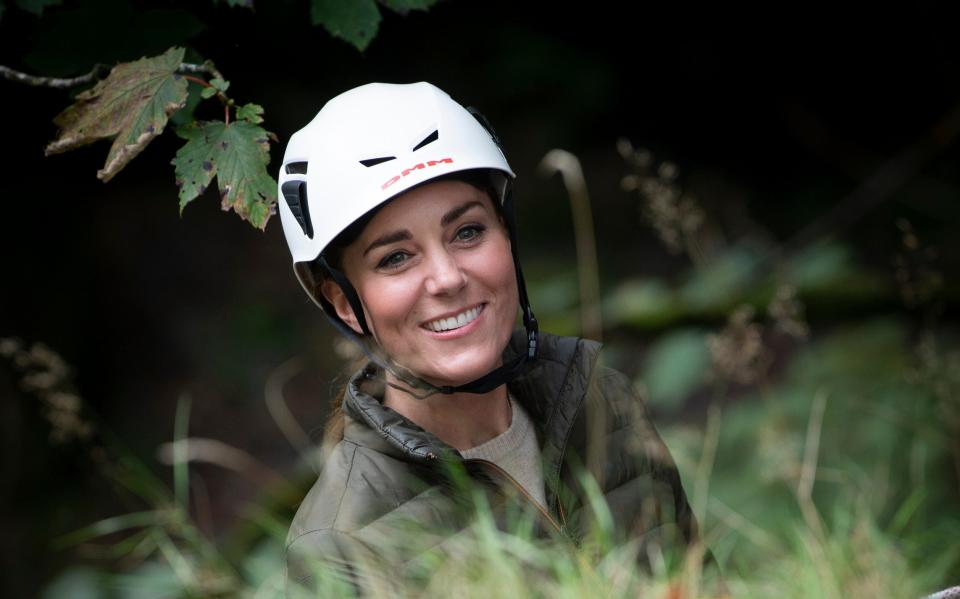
pixel 445 276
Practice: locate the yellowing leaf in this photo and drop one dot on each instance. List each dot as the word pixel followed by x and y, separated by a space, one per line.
pixel 237 154
pixel 132 104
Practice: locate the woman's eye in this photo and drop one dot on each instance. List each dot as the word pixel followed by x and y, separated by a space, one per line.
pixel 469 232
pixel 393 260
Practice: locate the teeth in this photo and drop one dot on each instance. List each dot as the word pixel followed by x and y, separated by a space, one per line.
pixel 454 322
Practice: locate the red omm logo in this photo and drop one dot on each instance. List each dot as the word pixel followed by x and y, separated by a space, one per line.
pixel 415 167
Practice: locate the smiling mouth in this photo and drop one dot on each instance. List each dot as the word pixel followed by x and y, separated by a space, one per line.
pixel 454 322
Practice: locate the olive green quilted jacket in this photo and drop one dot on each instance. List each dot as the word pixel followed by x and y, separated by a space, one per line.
pixel 390 491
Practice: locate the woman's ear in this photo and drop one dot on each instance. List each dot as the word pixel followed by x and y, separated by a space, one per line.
pixel 338 299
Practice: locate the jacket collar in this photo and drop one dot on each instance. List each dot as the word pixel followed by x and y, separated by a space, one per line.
pixel 551 391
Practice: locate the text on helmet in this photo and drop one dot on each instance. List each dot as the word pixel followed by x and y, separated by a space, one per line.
pixel 415 167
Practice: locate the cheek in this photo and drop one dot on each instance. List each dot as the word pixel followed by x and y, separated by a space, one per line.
pixel 388 301
pixel 500 274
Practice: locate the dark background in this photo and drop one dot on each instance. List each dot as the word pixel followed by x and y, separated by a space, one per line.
pixel 775 117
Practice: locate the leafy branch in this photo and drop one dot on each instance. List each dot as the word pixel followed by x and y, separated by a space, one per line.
pixel 131 103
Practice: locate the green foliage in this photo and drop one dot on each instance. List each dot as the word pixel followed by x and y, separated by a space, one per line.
pixel 883 517
pixel 219 84
pixel 883 473
pixel 719 285
pixel 185 114
pixel 237 154
pixel 356 22
pixel 134 103
pixel 131 105
pixel 251 113
pixel 36 6
pixel 676 366
pixel 76 583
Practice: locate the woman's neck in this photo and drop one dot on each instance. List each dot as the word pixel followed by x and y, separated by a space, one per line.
pixel 461 420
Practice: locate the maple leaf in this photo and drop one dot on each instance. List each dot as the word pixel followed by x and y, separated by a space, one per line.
pixel 132 104
pixel 237 154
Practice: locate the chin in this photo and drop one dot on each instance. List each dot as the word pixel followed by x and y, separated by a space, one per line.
pixel 461 372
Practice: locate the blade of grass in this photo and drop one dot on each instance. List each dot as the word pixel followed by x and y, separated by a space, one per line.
pixel 109 526
pixel 181 471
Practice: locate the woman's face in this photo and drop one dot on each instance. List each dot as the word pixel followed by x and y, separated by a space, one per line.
pixel 435 275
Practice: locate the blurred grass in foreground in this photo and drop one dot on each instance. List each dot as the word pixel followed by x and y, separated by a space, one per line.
pixel 834 481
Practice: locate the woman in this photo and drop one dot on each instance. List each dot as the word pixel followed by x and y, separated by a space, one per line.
pixel 398 213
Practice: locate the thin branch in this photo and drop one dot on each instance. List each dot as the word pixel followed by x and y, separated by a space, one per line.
pixel 97 72
pixel 197 80
pixel 206 67
pixel 55 82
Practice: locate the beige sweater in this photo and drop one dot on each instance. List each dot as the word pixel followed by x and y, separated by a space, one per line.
pixel 515 450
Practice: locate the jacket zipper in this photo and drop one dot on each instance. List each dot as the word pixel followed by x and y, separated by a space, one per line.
pixel 529 497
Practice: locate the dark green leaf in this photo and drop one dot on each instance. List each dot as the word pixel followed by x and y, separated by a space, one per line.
pixel 237 154
pixel 219 84
pixel 355 21
pixel 208 92
pixel 251 113
pixel 132 105
pixel 36 6
pixel 404 6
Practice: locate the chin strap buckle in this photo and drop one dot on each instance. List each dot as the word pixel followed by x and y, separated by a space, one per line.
pixel 532 339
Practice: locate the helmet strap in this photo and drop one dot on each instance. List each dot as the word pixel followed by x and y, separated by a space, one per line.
pixel 352 298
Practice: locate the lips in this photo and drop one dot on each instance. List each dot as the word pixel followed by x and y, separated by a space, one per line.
pixel 455 321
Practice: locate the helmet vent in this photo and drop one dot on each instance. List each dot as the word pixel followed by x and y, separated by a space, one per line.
pixel 295 194
pixel 297 168
pixel 427 140
pixel 375 161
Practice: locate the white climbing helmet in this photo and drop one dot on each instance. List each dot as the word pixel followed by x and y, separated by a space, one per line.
pixel 370 144
pixel 365 147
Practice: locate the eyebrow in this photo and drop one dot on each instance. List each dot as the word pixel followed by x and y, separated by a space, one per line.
pixel 387 239
pixel 404 235
pixel 456 213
